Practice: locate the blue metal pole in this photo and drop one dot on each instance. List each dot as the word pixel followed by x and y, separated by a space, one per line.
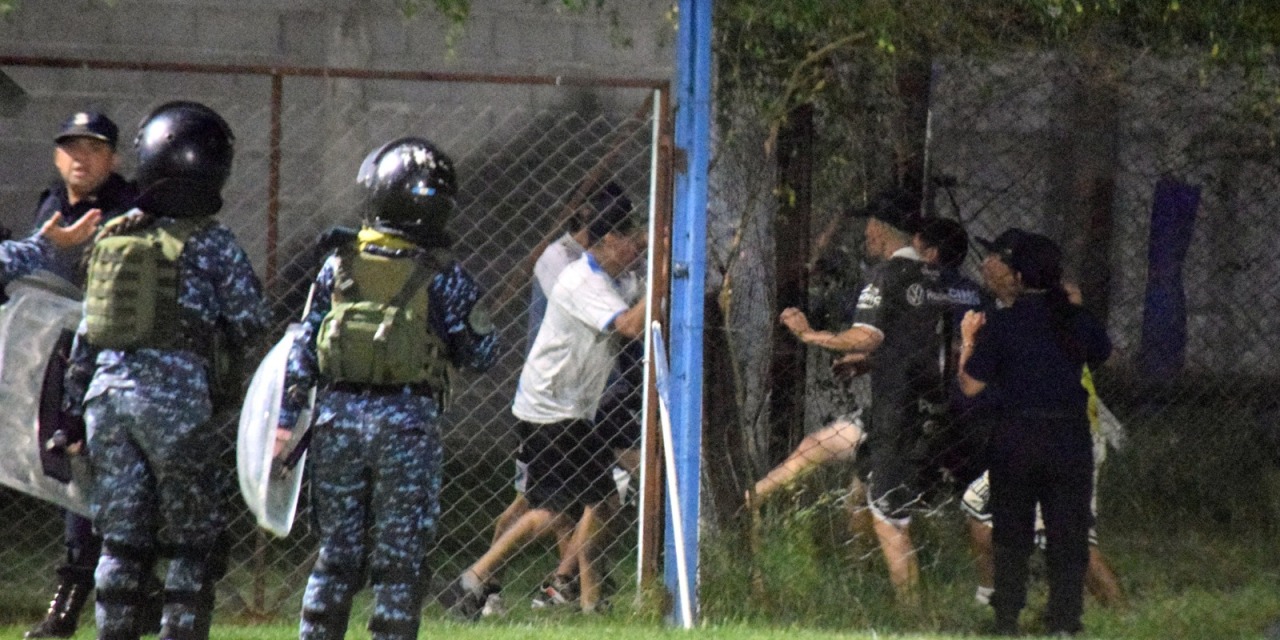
pixel 692 95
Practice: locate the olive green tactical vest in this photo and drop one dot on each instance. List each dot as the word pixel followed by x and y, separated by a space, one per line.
pixel 131 296
pixel 376 331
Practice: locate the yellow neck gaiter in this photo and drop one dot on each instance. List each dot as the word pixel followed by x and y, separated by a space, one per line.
pixel 369 236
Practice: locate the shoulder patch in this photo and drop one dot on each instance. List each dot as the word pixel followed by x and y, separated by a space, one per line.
pixel 870 298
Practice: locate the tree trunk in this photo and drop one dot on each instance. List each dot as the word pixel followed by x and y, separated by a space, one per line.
pixel 787 372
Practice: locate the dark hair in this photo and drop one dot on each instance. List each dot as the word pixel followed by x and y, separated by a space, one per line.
pixel 610 211
pixel 948 237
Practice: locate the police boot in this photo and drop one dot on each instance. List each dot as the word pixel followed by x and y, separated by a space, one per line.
pixel 64 611
pixel 152 608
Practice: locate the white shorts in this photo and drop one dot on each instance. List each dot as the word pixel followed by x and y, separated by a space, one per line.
pixel 977 497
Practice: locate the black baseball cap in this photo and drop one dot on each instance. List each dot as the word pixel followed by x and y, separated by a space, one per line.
pixel 895 207
pixel 89 124
pixel 1035 257
pixel 948 237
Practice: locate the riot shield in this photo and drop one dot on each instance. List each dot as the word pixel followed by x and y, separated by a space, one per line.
pixel 270 488
pixel 34 324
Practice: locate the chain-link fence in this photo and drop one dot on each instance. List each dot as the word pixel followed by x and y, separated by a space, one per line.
pixel 1157 177
pixel 526 152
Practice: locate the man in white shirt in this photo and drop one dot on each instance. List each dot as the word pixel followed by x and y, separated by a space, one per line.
pixel 570 463
pixel 557 255
pixel 551 262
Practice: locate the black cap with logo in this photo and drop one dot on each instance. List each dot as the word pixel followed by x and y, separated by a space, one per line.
pixel 1035 257
pixel 89 124
pixel 895 207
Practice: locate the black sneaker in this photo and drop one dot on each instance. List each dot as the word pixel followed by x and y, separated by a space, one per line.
pixel 64 612
pixel 461 602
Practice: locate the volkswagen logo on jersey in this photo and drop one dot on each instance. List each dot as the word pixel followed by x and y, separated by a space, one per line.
pixel 916 295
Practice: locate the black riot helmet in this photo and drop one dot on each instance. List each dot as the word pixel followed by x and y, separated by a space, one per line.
pixel 409 188
pixel 184 159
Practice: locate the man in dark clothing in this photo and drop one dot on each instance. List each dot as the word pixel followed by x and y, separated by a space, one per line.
pixel 85 156
pixel 1033 354
pixel 955 445
pixel 896 326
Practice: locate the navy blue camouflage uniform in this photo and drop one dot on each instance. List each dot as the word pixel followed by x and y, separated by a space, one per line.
pixel 158 480
pixel 375 459
pixel 21 257
pixel 114 197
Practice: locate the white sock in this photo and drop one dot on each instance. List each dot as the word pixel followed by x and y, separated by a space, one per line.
pixel 983 594
pixel 470 582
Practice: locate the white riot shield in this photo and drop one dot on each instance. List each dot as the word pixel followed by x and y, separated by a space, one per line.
pixel 270 491
pixel 40 308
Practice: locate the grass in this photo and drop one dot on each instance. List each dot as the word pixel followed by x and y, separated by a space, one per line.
pixel 1195 586
pixel 1190 523
pixel 561 631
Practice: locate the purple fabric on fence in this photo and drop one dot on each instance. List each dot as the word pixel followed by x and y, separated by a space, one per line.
pixel 1164 316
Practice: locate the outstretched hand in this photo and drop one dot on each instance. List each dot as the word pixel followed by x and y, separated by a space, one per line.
pixel 74 234
pixel 969 326
pixel 794 320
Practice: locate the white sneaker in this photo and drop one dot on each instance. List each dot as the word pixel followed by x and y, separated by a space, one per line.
pixel 493 606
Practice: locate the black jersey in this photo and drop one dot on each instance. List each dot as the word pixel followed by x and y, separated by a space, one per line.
pixel 901 300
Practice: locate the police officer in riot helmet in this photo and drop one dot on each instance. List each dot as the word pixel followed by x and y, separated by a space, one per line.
pixel 162 281
pixel 390 313
pixel 409 189
pixel 184 159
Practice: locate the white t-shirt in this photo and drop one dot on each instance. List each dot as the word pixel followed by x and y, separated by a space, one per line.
pixel 554 259
pixel 570 360
pixel 546 271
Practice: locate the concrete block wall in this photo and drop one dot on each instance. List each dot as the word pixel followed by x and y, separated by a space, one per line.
pixel 502 37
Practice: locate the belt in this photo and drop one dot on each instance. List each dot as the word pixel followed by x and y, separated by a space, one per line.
pixel 360 389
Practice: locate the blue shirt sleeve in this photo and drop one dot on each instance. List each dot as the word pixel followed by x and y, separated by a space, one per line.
pixel 79 372
pixel 301 373
pixel 223 288
pixel 21 257
pixel 457 316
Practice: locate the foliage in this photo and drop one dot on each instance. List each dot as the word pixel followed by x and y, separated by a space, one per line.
pixel 783 52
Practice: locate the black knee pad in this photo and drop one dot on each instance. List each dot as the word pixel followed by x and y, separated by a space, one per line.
pixel 401 628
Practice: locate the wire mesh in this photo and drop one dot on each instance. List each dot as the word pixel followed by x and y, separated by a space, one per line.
pixel 521 152
pixel 1098 155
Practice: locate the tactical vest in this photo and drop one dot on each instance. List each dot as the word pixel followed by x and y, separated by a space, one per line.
pixel 131 292
pixel 376 331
